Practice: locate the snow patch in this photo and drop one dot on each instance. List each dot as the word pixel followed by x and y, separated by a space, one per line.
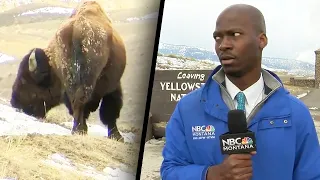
pixel 61 162
pixel 13 122
pixel 6 58
pixel 17 3
pixel 146 17
pixel 302 95
pixel 48 10
pixel 273 69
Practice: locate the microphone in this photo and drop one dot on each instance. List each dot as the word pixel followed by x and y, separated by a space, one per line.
pixel 239 140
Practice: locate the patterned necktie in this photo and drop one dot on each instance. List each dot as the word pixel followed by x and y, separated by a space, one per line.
pixel 240 97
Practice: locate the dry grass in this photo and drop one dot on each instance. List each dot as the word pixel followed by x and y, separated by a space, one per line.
pixel 21 156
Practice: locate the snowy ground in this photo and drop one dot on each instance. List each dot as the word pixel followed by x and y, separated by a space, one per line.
pixel 16 123
pixel 13 122
pixel 59 161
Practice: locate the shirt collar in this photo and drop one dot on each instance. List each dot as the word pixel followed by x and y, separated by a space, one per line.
pixel 251 92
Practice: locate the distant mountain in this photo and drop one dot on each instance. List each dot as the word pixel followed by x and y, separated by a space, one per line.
pixel 273 63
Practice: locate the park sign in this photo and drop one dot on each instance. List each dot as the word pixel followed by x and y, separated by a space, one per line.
pixel 169 86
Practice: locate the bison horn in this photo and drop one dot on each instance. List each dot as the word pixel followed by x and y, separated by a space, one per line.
pixel 32 61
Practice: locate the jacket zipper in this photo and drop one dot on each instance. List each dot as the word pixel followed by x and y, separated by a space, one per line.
pixel 259 104
pixel 255 108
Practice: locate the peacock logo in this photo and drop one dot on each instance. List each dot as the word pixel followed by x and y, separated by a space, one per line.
pixel 210 128
pixel 246 140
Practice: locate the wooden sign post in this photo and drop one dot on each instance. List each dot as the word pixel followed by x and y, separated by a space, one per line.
pixel 169 87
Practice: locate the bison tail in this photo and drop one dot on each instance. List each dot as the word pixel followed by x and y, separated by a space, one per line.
pixel 78 89
pixel 78 62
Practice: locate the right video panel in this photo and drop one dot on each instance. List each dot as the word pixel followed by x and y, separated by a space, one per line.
pixel 235 92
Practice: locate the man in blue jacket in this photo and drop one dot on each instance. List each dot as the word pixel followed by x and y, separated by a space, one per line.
pixel 287 143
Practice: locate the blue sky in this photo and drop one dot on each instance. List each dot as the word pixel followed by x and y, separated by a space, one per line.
pixel 293 26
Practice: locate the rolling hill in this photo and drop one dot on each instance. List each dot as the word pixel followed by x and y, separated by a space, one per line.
pixel 291 66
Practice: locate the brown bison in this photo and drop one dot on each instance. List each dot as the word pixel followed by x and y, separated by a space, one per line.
pixel 82 65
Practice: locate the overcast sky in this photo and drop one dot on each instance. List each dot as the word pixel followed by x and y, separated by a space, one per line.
pixel 293 26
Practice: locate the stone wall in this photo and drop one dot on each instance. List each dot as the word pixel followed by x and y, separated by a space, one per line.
pixel 317 69
pixel 302 82
pixel 312 83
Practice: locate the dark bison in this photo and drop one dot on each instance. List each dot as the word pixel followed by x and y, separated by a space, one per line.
pixel 82 65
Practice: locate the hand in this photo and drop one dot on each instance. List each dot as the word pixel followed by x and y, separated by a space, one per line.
pixel 234 167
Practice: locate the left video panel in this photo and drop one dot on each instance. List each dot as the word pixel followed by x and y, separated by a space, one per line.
pixel 74 82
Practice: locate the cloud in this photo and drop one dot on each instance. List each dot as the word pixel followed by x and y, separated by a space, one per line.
pixel 292 25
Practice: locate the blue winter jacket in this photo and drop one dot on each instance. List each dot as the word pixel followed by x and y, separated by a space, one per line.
pixel 287 143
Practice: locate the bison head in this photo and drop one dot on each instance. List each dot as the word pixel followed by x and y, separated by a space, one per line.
pixel 34 91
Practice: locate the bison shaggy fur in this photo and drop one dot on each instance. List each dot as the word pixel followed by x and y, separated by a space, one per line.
pixel 81 67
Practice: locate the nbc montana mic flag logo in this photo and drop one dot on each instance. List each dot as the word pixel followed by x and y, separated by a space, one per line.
pixel 237 144
pixel 203 132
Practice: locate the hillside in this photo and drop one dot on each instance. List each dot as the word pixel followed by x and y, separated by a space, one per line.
pixel 294 67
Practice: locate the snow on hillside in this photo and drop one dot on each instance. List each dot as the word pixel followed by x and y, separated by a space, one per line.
pixel 164 63
pixel 13 122
pixel 291 66
pixel 61 162
pixel 187 51
pixel 48 10
pixel 272 69
pixel 153 15
pixel 68 11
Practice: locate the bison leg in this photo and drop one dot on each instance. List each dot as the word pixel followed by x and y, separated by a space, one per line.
pixel 69 107
pixel 79 122
pixel 110 111
pixel 79 117
pixel 88 108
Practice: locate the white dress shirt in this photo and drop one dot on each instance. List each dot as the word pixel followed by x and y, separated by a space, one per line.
pixel 253 94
